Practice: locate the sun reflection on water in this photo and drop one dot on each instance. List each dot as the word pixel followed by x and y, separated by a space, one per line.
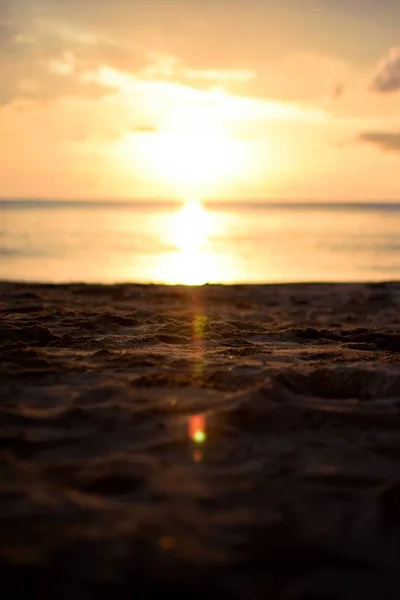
pixel 191 227
pixel 194 260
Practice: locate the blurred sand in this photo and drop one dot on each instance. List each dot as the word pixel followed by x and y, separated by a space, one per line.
pixel 293 487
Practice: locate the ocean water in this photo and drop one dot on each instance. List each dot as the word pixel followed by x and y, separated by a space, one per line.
pixel 195 243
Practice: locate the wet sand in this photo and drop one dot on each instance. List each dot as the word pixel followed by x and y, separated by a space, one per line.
pixel 219 442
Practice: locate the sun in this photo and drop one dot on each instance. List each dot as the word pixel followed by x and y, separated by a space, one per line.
pixel 193 154
pixel 196 151
pixel 196 160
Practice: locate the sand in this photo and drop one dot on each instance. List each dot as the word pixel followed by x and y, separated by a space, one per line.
pixel 295 490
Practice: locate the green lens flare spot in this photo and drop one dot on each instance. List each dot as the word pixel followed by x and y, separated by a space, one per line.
pixel 199 437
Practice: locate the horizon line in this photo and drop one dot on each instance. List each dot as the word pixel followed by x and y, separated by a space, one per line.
pixel 161 200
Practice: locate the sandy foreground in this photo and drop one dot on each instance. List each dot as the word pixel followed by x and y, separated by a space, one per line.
pixel 293 487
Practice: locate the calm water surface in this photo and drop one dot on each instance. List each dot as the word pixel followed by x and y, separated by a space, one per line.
pixel 195 243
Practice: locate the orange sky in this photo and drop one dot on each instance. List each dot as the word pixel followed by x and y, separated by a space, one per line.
pixel 297 99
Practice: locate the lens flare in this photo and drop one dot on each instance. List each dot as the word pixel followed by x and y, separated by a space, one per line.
pixel 199 437
pixel 197 429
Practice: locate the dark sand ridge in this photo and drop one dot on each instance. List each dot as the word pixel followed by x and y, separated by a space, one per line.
pixel 296 491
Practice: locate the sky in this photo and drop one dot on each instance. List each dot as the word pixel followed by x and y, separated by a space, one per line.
pixel 235 99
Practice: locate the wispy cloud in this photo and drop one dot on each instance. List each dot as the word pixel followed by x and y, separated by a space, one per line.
pixel 144 129
pixel 220 75
pixel 63 65
pixel 389 142
pixel 387 77
pixel 56 62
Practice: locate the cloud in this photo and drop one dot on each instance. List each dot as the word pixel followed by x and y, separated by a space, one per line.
pixel 388 142
pixel 144 129
pixel 301 77
pixel 387 77
pixel 65 65
pixel 70 120
pixel 338 91
pixel 56 60
pixel 51 75
pixel 221 75
pixel 255 55
pixel 293 78
pixel 189 44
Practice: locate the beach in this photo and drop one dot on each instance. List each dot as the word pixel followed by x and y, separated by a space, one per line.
pixel 236 441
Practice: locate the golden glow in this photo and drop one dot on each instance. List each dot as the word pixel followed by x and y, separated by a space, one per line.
pixel 196 160
pixel 123 109
pixel 199 323
pixel 196 146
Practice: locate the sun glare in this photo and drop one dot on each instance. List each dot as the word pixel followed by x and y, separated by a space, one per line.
pixel 191 226
pixel 195 161
pixel 193 261
pixel 194 150
pixel 189 233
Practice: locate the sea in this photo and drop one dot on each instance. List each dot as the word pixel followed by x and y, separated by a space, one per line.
pixel 196 242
